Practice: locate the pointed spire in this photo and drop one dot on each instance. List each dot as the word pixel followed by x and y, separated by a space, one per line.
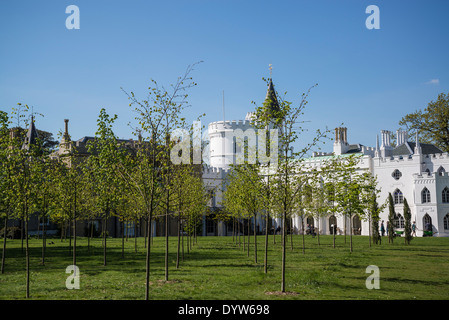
pixel 271 101
pixel 377 151
pixel 417 146
pixel 31 136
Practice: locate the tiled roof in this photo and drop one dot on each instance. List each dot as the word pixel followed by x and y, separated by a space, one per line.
pixel 404 149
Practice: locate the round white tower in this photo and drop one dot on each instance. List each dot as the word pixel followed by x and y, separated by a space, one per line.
pixel 222 142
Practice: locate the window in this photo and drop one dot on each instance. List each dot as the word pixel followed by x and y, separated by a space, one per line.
pixel 425 195
pixel 399 221
pixel 445 195
pixel 398 197
pixel 427 222
pixel 441 171
pixel 428 171
pixel 446 222
pixel 396 174
pixel 210 224
pixel 310 221
pixel 356 225
pixel 332 224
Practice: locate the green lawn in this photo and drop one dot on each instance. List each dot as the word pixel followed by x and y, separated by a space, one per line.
pixel 216 268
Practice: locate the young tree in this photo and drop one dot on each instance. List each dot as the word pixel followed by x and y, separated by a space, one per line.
pixel 374 215
pixel 158 115
pixel 188 196
pixel 46 196
pixel 304 204
pixel 408 226
pixel 331 179
pixel 6 172
pixel 368 198
pixel 245 194
pixel 351 189
pixel 391 217
pixel 26 178
pixel 102 165
pixel 319 204
pixel 286 117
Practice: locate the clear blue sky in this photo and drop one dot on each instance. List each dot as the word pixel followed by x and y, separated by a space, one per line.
pixel 367 79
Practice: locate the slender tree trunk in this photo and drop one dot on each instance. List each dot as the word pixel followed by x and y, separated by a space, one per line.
pixel 38 225
pixel 238 230
pixel 346 225
pixel 135 236
pixel 182 240
pixel 105 239
pixel 145 233
pixel 284 218
pixel 193 234
pixel 266 244
pixel 123 239
pixel 233 230
pixel 22 229
pixel 91 235
pixel 189 230
pixel 303 236
pixel 249 235
pixel 44 239
pixel 291 233
pixel 147 260
pixel 166 243
pixel 369 232
pixel 190 238
pixel 70 236
pixel 4 243
pixel 127 229
pixel 179 241
pixel 244 236
pixel 74 230
pixel 151 235
pixel 255 240
pixel 27 253
pixel 350 232
pixel 88 236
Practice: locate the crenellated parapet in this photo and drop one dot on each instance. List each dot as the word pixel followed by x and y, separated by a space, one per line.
pixel 218 126
pixel 214 172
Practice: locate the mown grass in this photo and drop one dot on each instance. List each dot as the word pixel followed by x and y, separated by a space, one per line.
pixel 216 268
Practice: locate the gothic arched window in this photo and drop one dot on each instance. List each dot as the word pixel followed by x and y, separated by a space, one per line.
pixel 446 222
pixel 441 171
pixel 398 196
pixel 332 224
pixel 445 195
pixel 310 221
pixel 427 222
pixel 399 221
pixel 425 195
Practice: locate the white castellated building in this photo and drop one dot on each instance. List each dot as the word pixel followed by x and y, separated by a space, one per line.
pixel 410 170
